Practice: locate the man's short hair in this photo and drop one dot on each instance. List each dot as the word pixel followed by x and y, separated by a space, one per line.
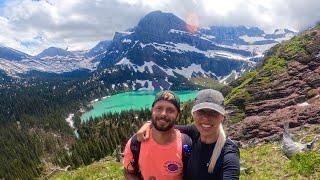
pixel 168 96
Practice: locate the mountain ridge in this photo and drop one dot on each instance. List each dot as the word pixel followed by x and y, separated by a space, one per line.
pixel 171 53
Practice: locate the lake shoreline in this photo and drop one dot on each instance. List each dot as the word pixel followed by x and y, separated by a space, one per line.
pixel 124 101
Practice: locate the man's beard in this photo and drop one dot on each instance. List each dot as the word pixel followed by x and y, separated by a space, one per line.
pixel 163 129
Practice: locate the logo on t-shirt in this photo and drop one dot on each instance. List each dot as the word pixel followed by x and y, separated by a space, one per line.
pixel 172 166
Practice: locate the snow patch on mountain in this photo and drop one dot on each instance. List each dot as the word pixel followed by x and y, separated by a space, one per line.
pixel 252 39
pixel 232 75
pixel 126 32
pixel 179 32
pixel 55 64
pixel 201 36
pixel 124 61
pixel 227 55
pixel 188 71
pixel 183 48
pixel 207 37
pixel 12 68
pixel 148 65
pixel 126 40
pixel 256 50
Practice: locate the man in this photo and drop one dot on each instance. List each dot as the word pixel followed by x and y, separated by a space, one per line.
pixel 160 156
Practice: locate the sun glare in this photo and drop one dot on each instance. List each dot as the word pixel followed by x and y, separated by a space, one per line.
pixel 192 21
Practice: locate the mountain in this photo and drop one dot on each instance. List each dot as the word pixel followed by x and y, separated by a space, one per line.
pixel 54 61
pixel 12 54
pixel 286 88
pixel 157 58
pixel 252 39
pixel 53 51
pixel 98 51
pixel 158 53
pixel 241 35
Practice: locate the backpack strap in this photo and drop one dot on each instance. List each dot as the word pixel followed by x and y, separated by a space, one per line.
pixel 135 149
pixel 186 152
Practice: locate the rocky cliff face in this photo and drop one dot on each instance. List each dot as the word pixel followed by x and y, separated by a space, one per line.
pixel 286 88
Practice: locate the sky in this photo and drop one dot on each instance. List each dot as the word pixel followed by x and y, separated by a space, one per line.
pixel 34 25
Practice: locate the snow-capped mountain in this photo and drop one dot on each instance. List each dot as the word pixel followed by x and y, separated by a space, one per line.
pixel 53 52
pixel 158 53
pixel 160 48
pixel 12 54
pixel 251 39
pixel 60 60
pixel 99 51
pixel 51 60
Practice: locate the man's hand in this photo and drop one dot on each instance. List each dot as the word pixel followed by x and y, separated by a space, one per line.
pixel 144 132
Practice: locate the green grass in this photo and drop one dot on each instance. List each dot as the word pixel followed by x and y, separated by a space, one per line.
pixel 295 47
pixel 274 64
pixel 104 169
pixel 305 164
pixel 211 83
pixel 240 90
pixel 268 162
pixel 263 162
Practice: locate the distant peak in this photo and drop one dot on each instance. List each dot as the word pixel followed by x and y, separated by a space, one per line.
pixel 54 51
pixel 157 21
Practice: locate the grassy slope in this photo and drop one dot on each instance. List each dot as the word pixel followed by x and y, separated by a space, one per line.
pixel 106 168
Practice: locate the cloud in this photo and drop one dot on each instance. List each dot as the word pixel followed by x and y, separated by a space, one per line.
pixel 32 26
pixel 74 24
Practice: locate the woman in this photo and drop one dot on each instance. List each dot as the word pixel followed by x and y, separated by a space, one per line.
pixel 213 155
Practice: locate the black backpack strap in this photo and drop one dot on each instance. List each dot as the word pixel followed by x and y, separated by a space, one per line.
pixel 135 149
pixel 186 152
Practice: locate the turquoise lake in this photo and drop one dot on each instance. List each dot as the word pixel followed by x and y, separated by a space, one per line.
pixel 130 100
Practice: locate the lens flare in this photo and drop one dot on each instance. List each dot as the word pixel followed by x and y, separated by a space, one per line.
pixel 192 21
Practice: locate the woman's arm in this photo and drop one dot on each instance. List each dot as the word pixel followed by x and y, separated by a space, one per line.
pixel 231 163
pixel 144 132
pixel 189 130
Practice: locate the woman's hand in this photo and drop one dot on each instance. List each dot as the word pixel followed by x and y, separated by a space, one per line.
pixel 144 132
